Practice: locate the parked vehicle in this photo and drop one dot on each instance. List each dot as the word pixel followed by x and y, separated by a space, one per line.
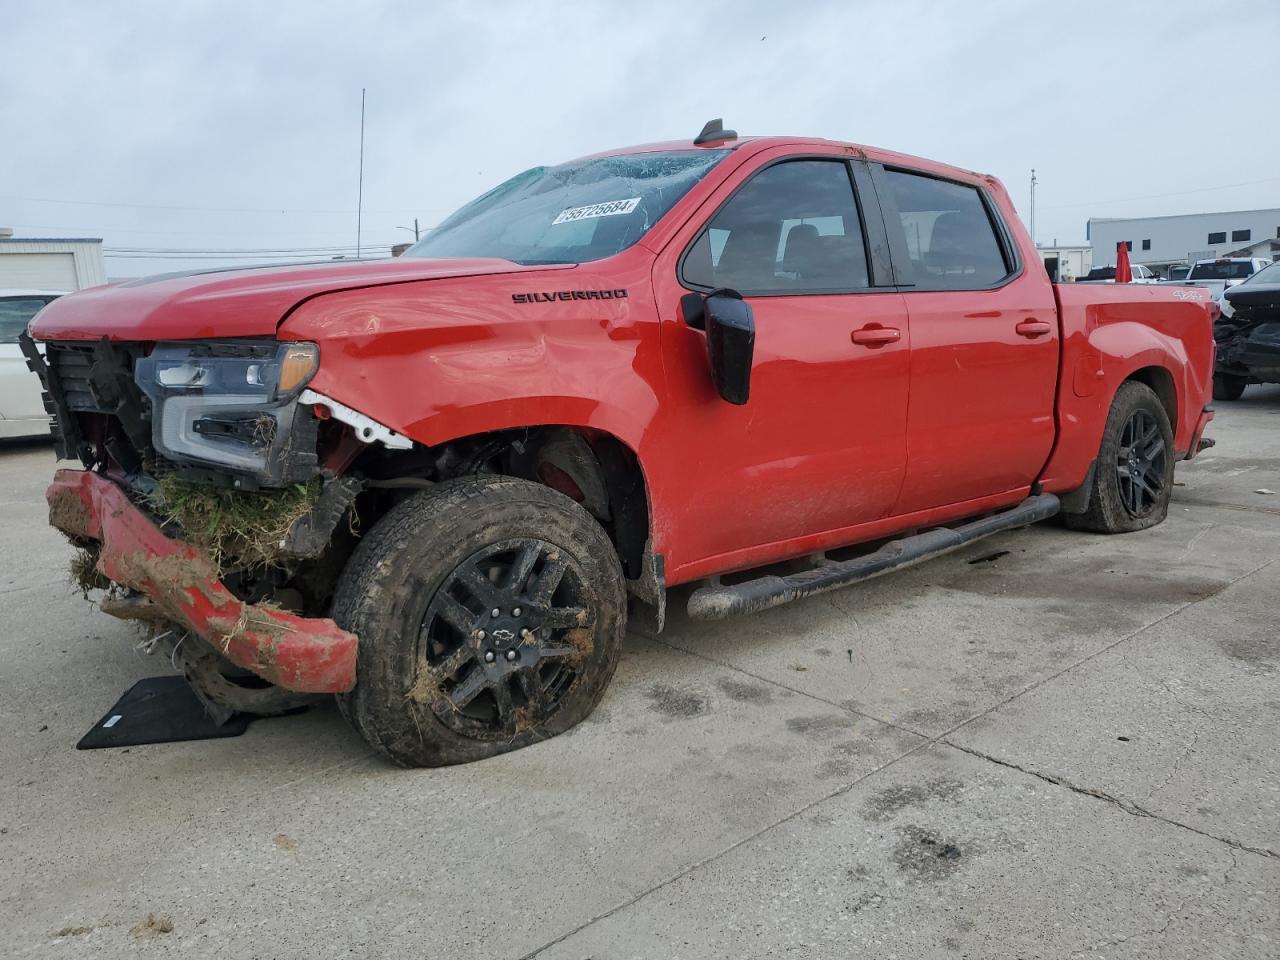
pixel 1248 335
pixel 22 412
pixel 669 364
pixel 1107 274
pixel 1179 271
pixel 1219 275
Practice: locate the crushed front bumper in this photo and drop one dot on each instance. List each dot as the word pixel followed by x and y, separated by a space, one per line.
pixel 305 654
pixel 1252 351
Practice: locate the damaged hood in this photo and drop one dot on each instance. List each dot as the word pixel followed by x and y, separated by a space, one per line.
pixel 1255 298
pixel 236 302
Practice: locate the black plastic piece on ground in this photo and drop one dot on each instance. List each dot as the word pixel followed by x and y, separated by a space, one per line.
pixel 717 601
pixel 159 710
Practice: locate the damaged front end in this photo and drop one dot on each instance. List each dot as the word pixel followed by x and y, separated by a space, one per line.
pixel 1248 342
pixel 168 581
pixel 210 498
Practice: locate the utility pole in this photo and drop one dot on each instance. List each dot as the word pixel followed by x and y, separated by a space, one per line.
pixel 417 234
pixel 360 188
pixel 1033 206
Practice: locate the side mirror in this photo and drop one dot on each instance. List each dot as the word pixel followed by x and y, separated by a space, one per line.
pixel 731 341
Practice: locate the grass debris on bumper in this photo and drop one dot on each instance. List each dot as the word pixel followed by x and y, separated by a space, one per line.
pixel 304 654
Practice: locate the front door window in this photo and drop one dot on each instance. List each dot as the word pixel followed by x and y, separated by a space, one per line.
pixel 792 229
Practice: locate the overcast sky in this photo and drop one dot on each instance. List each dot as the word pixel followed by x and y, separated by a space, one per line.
pixel 236 125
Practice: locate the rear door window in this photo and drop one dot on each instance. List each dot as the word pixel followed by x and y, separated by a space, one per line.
pixel 950 239
pixel 793 228
pixel 1222 270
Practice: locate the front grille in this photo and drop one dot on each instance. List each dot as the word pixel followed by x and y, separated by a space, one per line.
pixel 70 366
pixel 95 404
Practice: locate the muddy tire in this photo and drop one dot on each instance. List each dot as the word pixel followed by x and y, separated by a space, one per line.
pixel 490 613
pixel 1228 387
pixel 1133 479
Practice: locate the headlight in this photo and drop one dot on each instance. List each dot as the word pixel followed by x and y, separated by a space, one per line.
pixel 229 403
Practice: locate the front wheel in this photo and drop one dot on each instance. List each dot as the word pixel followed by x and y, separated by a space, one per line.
pixel 1227 386
pixel 490 612
pixel 1133 477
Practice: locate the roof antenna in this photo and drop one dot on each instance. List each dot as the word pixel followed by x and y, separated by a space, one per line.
pixel 714 130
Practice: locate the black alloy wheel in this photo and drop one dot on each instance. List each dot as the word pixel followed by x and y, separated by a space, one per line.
pixel 504 637
pixel 1131 481
pixel 490 612
pixel 1141 464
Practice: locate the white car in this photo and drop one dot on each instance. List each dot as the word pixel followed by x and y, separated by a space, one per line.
pixel 1218 276
pixel 22 412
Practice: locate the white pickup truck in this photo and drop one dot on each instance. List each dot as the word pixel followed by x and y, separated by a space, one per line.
pixel 1218 275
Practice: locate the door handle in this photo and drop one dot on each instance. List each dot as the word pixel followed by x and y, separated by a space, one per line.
pixel 875 336
pixel 1033 328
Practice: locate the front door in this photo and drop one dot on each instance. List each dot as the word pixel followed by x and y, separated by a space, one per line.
pixel 984 344
pixel 820 445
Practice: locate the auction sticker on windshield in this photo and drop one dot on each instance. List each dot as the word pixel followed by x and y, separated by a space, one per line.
pixel 610 208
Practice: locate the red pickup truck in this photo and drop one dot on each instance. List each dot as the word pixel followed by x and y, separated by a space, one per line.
pixel 766 367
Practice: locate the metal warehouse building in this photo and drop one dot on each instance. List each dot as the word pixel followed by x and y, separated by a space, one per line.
pixel 1159 242
pixel 1066 262
pixel 51 264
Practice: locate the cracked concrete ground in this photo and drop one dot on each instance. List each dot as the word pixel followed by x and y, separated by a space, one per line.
pixel 1067 749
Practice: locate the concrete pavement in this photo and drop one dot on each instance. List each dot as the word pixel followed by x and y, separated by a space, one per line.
pixel 1049 745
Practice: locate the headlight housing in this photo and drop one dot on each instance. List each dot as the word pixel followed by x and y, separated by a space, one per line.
pixel 233 404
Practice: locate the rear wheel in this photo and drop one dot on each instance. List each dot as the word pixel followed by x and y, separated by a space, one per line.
pixel 1133 478
pixel 490 613
pixel 1227 386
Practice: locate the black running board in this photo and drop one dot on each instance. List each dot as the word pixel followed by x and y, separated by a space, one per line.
pixel 716 601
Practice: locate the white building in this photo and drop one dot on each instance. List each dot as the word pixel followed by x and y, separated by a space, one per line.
pixel 49 264
pixel 1158 242
pixel 1066 262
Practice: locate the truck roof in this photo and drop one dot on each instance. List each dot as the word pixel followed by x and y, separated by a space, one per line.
pixel 756 144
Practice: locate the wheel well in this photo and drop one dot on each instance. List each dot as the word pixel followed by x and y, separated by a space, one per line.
pixel 592 467
pixel 1161 383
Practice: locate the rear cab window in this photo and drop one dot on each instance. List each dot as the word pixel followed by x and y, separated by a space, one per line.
pixel 1222 270
pixel 951 240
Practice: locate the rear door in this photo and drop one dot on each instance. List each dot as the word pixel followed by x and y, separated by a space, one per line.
pixel 821 443
pixel 984 342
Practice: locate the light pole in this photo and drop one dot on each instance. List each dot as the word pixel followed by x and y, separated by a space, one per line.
pixel 1033 206
pixel 360 188
pixel 414 228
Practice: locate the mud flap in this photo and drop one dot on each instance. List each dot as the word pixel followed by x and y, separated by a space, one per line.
pixel 1077 501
